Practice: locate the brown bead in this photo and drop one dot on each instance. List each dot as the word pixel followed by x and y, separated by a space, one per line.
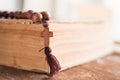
pixel 0 14
pixel 45 23
pixel 45 15
pixel 36 17
pixel 16 15
pixel 28 14
pixel 5 14
pixel 23 16
pixel 11 15
pixel 20 14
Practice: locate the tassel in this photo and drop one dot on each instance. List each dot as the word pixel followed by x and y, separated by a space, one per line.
pixel 52 61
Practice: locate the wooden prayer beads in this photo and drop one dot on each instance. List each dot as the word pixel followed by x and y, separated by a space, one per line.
pixel 41 17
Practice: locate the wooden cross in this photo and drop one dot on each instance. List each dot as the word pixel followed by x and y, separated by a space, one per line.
pixel 46 34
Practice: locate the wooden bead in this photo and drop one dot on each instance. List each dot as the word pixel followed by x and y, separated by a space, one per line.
pixel 5 14
pixel 23 15
pixel 11 15
pixel 45 23
pixel 36 17
pixel 28 14
pixel 20 14
pixel 45 15
pixel 16 15
pixel 0 14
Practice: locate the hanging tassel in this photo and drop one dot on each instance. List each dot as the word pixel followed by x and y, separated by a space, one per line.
pixel 52 61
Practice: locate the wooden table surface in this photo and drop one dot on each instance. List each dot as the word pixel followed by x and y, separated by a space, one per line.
pixel 107 68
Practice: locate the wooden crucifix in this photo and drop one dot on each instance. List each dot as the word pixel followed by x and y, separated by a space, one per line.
pixel 46 34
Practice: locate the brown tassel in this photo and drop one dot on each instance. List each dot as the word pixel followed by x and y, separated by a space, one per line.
pixel 52 61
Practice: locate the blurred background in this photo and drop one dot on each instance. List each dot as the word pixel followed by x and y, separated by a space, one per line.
pixel 72 10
